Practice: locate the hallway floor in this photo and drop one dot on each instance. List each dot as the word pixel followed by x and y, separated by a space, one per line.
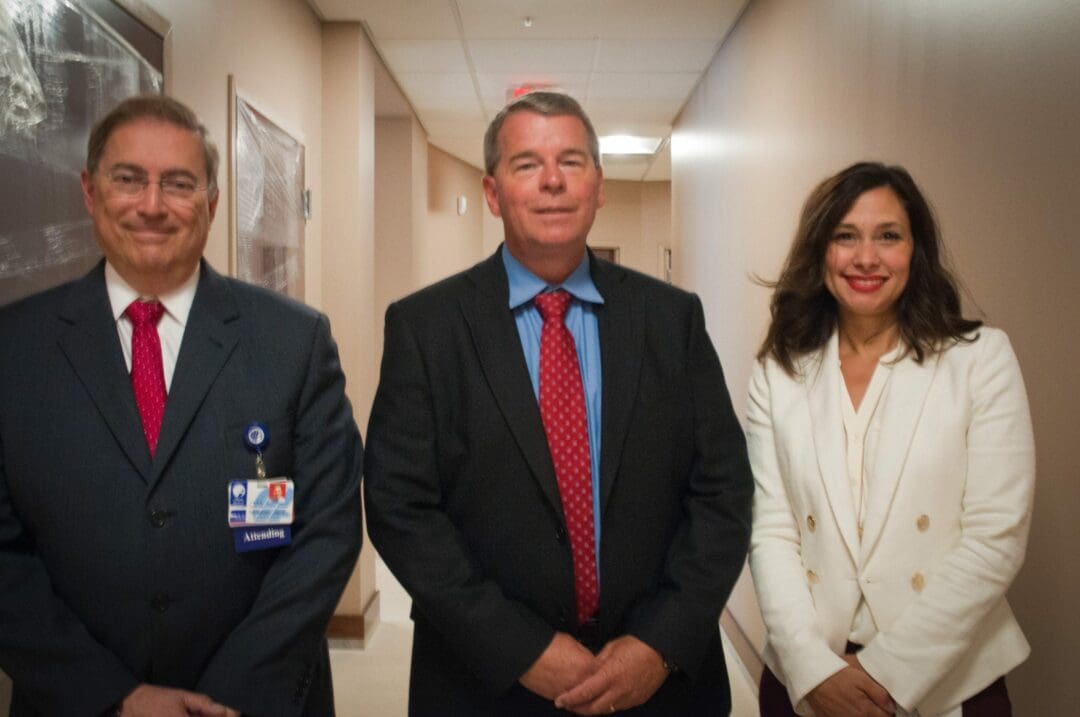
pixel 373 681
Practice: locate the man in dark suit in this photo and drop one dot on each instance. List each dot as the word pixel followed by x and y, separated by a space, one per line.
pixel 554 471
pixel 129 449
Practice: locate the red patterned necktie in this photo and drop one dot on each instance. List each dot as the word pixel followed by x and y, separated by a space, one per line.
pixel 147 373
pixel 562 409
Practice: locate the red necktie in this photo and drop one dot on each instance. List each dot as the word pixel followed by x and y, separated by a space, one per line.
pixel 147 373
pixel 562 409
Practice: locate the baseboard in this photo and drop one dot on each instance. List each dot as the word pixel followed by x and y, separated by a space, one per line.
pixel 348 630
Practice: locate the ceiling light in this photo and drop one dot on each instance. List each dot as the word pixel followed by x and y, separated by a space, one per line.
pixel 629 144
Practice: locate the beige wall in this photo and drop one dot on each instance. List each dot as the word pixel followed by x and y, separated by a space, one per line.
pixel 348 272
pixel 450 242
pixel 273 49
pixel 400 209
pixel 635 218
pixel 980 100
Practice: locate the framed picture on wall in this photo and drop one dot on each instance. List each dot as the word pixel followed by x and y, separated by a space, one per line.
pixel 63 65
pixel 267 193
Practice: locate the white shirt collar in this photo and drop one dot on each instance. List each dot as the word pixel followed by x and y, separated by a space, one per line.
pixel 177 303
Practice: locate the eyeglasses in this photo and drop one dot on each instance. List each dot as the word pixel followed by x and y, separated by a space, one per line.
pixel 133 184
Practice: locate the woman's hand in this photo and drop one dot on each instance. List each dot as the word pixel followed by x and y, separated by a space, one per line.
pixel 851 692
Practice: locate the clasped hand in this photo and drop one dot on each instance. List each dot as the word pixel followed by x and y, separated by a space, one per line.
pixel 152 701
pixel 624 674
pixel 851 692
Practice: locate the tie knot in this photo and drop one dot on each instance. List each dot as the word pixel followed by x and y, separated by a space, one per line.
pixel 552 305
pixel 144 313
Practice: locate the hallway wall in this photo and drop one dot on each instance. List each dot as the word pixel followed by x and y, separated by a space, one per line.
pixel 636 219
pixel 273 48
pixel 980 99
pixel 451 242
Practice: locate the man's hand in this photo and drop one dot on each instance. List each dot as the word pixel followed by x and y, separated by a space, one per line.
pixel 627 674
pixel 851 692
pixel 151 701
pixel 563 664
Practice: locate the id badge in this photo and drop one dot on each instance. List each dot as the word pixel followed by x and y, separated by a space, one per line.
pixel 260 510
pixel 262 502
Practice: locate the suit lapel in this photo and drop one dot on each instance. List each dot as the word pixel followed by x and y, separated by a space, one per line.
pixel 900 410
pixel 622 337
pixel 210 336
pixel 827 426
pixel 498 347
pixel 92 347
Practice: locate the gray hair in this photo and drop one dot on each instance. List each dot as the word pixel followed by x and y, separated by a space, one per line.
pixel 549 104
pixel 158 107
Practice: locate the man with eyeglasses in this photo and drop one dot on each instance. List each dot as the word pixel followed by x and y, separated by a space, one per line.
pixel 179 465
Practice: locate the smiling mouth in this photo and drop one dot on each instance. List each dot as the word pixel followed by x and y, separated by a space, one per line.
pixel 865 283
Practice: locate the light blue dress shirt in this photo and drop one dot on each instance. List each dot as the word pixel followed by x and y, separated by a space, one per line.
pixel 581 321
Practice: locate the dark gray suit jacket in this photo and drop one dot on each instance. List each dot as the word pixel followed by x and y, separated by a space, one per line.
pixel 463 505
pixel 116 568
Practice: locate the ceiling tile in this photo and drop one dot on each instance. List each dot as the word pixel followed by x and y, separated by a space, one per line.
pixel 642 87
pixel 701 19
pixel 424 55
pixel 493 86
pixel 396 19
pixel 551 19
pixel 424 87
pixel 651 55
pixel 532 56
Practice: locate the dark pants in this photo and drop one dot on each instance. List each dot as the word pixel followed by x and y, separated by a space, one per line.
pixel 991 702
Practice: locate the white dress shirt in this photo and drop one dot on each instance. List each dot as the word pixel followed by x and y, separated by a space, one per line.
pixel 862 428
pixel 171 326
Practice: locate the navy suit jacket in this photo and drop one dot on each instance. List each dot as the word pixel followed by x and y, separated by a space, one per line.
pixel 118 568
pixel 463 505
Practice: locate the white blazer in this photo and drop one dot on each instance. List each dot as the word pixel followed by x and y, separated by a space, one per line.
pixel 945 530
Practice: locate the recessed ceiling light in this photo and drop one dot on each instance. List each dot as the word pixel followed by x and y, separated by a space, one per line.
pixel 629 144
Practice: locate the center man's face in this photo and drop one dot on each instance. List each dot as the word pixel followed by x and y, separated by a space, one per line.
pixel 153 239
pixel 546 186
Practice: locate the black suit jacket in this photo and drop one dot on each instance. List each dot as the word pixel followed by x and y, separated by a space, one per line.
pixel 116 568
pixel 463 505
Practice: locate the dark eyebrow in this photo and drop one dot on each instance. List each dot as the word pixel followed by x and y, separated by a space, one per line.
pixel 136 169
pixel 179 172
pixel 883 225
pixel 527 154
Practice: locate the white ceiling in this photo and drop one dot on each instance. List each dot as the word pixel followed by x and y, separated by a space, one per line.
pixel 631 63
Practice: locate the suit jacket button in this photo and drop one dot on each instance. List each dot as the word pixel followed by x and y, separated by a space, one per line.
pixel 560 535
pixel 811 577
pixel 923 523
pixel 160 602
pixel 158 518
pixel 811 523
pixel 918 582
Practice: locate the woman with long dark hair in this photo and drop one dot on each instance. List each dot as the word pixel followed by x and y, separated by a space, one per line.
pixel 894 464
